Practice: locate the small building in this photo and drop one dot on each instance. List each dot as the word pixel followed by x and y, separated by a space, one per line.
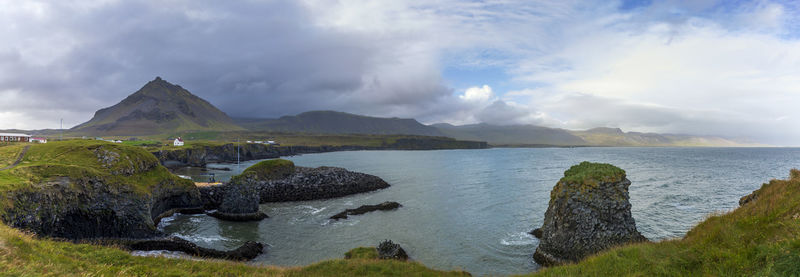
pixel 271 142
pixel 178 142
pixel 39 139
pixel 14 137
pixel 116 141
pixel 259 142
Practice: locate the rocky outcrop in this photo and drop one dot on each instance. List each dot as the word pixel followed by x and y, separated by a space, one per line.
pixel 589 212
pixel 390 250
pixel 385 206
pixel 304 184
pixel 91 208
pixel 239 203
pixel 246 252
pixel 202 155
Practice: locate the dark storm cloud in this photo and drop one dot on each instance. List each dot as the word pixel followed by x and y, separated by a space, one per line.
pixel 249 58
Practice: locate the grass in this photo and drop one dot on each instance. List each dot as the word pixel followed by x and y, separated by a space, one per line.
pixel 23 254
pixel 588 173
pixel 78 159
pixel 269 170
pixel 761 238
pixel 9 153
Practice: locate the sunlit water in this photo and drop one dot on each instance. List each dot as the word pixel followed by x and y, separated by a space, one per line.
pixel 472 209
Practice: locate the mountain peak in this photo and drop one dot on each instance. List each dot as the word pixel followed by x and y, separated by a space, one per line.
pixel 159 106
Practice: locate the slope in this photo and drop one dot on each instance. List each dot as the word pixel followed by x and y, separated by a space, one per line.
pixel 156 108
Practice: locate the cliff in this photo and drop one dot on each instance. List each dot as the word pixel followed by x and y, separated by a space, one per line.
pixel 89 189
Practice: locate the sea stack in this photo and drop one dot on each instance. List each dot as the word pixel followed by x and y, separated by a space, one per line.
pixel 589 212
pixel 240 198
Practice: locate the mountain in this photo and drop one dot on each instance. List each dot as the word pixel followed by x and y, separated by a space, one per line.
pixel 518 135
pixel 616 137
pixel 331 122
pixel 531 135
pixel 156 108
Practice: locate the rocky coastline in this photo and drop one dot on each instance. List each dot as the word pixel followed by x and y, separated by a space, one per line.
pixel 202 155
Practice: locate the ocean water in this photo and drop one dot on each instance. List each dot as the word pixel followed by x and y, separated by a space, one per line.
pixel 472 209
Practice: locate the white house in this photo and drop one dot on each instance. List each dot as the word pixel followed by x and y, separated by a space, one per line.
pixel 178 142
pixel 39 139
pixel 271 142
pixel 14 137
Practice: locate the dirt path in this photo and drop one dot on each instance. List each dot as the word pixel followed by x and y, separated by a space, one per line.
pixel 19 159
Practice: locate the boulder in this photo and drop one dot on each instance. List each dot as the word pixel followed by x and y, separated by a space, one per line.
pixel 390 250
pixel 589 212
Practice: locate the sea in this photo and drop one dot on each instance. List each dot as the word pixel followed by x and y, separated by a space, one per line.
pixel 472 209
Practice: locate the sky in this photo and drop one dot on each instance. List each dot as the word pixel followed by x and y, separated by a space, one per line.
pixel 725 68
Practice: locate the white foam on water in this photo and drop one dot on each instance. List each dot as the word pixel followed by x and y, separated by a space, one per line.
pixel 519 238
pixel 206 239
pixel 163 253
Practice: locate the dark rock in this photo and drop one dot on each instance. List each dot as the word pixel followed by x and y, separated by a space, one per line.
pixel 90 208
pixel 589 212
pixel 390 250
pixel 537 233
pixel 304 184
pixel 256 216
pixel 318 183
pixel 246 252
pixel 239 199
pixel 385 206
pixel 753 196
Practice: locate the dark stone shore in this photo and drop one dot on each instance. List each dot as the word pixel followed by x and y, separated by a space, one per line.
pixel 385 206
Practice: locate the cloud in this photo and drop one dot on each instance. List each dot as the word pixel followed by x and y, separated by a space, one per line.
pixel 669 66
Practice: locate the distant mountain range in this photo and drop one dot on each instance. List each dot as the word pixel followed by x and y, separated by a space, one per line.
pixel 156 108
pixel 164 108
pixel 330 122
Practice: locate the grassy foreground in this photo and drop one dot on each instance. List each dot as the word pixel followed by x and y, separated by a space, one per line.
pixel 761 238
pixel 22 254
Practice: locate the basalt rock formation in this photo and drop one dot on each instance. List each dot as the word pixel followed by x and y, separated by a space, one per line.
pixel 299 184
pixel 239 203
pixel 385 206
pixel 589 212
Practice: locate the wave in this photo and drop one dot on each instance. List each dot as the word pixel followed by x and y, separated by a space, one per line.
pixel 519 238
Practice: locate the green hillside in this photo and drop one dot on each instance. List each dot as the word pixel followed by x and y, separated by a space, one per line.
pixel 156 108
pixel 330 122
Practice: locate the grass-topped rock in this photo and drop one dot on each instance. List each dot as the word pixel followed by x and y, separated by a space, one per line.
pixel 90 189
pixel 267 170
pixel 588 212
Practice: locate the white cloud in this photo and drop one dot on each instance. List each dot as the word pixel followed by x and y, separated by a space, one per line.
pixel 478 94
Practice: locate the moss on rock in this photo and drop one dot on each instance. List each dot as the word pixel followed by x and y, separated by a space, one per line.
pixel 592 173
pixel 267 170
